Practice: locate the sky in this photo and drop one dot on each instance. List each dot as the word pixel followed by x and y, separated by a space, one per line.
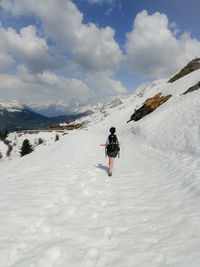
pixel 69 52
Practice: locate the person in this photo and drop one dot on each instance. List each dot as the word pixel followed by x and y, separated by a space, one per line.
pixel 112 150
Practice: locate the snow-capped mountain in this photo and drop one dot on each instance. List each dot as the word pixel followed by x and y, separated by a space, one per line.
pixel 51 109
pixel 14 116
pixel 59 208
pixel 11 106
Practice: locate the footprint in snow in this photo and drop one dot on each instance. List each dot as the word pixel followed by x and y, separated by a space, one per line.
pixel 95 216
pixel 93 179
pixel 91 173
pixel 91 258
pixel 16 251
pixel 82 184
pixel 72 211
pixel 108 232
pixel 160 258
pixel 50 257
pixel 103 203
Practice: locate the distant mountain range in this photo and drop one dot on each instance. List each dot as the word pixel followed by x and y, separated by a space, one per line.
pixel 16 117
pixel 50 110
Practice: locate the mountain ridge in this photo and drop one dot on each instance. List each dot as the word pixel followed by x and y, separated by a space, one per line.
pixel 15 117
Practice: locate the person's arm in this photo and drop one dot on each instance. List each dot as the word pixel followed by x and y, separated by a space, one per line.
pixel 118 142
pixel 103 144
pixel 107 141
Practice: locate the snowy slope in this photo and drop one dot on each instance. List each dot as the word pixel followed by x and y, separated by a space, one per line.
pixel 11 106
pixel 174 127
pixel 37 139
pixel 58 207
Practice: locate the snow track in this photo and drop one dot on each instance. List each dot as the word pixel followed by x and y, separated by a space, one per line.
pixel 59 207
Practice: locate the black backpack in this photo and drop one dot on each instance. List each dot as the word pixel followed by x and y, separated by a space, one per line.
pixel 112 149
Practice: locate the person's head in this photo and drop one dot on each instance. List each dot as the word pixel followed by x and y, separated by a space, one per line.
pixel 112 130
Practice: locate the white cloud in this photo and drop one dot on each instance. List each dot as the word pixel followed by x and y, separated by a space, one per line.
pixel 152 48
pixel 6 60
pixel 112 5
pixel 104 84
pixel 27 47
pixel 100 1
pixel 174 28
pixel 46 86
pixel 91 48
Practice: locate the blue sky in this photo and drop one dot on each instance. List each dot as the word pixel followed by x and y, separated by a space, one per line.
pixel 69 52
pixel 184 13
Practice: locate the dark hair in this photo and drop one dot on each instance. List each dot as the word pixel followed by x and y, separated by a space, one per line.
pixel 112 130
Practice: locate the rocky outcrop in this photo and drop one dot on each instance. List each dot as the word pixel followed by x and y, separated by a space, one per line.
pixel 64 127
pixel 149 105
pixel 190 67
pixel 193 88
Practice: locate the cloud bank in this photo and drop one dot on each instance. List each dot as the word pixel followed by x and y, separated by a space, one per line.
pixel 86 48
pixel 154 50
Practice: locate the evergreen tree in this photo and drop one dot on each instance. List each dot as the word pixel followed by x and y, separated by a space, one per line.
pixel 6 133
pixel 3 134
pixel 57 137
pixel 26 148
pixel 40 141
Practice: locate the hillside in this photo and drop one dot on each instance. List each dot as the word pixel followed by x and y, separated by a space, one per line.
pixel 15 117
pixel 59 208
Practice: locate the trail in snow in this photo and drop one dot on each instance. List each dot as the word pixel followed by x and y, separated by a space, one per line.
pixel 68 211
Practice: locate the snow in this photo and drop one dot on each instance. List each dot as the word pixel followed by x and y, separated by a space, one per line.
pixel 35 137
pixel 59 208
pixel 11 106
pixel 3 149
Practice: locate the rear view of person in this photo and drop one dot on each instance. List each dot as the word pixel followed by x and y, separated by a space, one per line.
pixel 112 148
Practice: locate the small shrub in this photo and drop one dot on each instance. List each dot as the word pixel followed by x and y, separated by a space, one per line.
pixel 26 148
pixel 40 141
pixel 57 137
pixel 9 150
pixel 6 142
pixel 3 134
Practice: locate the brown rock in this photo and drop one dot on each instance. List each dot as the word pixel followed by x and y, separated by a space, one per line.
pixel 193 88
pixel 156 101
pixel 149 105
pixel 63 127
pixel 190 67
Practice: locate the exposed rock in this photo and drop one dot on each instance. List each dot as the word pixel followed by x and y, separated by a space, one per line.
pixel 190 67
pixel 193 88
pixel 156 101
pixel 64 127
pixel 149 105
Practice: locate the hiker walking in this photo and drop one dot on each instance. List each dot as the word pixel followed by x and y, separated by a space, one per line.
pixel 112 148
